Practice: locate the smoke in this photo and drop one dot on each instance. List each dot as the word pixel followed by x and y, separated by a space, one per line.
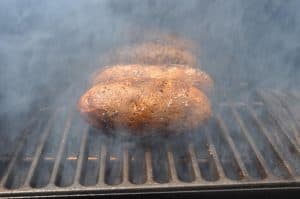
pixel 48 46
pixel 49 49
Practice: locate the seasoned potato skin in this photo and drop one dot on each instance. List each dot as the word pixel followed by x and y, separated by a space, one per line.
pixel 189 75
pixel 143 105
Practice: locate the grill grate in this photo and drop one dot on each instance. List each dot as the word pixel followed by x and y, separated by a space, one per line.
pixel 243 146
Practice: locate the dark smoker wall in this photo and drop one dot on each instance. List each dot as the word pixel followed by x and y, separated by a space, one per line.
pixel 48 49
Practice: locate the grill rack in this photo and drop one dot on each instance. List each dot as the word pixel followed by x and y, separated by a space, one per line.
pixel 46 163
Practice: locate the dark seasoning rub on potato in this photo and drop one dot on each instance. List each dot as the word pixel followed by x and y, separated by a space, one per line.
pixel 142 105
pixel 192 76
pixel 149 97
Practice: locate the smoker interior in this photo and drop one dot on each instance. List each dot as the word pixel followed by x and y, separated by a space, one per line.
pixel 246 145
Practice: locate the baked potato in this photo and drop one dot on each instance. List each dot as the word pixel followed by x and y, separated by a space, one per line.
pixel 189 75
pixel 142 106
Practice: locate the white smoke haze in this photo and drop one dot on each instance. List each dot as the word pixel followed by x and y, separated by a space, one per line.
pixel 49 49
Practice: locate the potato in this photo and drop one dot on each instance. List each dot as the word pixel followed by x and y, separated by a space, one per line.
pixel 144 105
pixel 189 75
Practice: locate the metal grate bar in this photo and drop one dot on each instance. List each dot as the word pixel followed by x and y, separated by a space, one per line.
pixel 231 144
pixel 102 161
pixel 125 172
pixel 289 101
pixel 39 149
pixel 212 151
pixel 287 135
pixel 268 99
pixel 271 142
pixel 237 151
pixel 15 154
pixel 62 146
pixel 251 142
pixel 17 150
pixel 195 166
pixel 81 156
pixel 149 169
pixel 173 173
pixel 294 94
pixel 291 110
